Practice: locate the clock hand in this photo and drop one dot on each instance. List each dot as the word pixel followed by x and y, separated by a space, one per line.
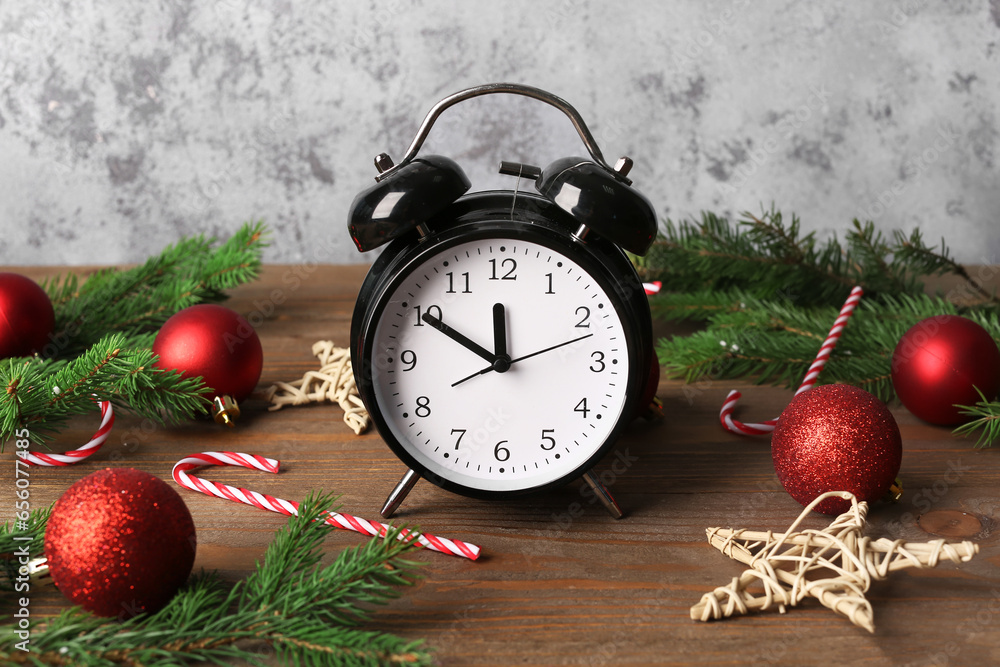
pixel 549 349
pixel 459 338
pixel 527 356
pixel 499 330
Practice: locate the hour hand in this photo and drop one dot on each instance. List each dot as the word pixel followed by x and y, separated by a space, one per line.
pixel 499 330
pixel 459 338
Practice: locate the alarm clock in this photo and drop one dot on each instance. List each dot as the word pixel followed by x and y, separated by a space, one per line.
pixel 502 339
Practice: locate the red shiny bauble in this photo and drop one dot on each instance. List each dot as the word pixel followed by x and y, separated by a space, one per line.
pixel 26 316
pixel 836 437
pixel 120 542
pixel 940 362
pixel 215 343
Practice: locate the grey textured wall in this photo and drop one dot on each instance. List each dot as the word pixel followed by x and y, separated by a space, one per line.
pixel 124 125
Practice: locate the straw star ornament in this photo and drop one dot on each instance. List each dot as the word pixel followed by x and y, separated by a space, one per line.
pixel 835 565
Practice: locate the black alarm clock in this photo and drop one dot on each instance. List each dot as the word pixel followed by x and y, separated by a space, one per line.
pixel 502 341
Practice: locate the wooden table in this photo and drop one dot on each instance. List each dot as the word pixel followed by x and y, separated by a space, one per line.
pixel 560 586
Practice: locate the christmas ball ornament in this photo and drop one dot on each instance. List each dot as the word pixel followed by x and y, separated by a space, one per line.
pixel 940 362
pixel 218 345
pixel 26 316
pixel 836 438
pixel 120 542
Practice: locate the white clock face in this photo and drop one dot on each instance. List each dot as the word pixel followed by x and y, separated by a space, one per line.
pixel 500 364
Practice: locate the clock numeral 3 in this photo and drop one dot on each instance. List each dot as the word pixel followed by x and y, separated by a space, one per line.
pixel 451 283
pixel 598 357
pixel 430 311
pixel 408 357
pixel 501 453
pixel 423 407
pixel 582 407
pixel 551 440
pixel 503 265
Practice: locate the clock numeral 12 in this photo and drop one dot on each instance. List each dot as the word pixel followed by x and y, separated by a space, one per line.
pixel 510 272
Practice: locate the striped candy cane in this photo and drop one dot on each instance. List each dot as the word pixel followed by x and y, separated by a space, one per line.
pixel 75 455
pixel 763 428
pixel 288 508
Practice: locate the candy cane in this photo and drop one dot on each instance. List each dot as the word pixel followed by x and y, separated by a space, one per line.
pixel 652 288
pixel 763 428
pixel 288 508
pixel 75 455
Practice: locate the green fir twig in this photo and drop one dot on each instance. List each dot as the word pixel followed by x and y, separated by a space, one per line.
pixel 985 416
pixel 139 300
pixel 308 613
pixel 41 395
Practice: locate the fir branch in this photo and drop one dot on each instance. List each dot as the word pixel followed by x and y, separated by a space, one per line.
pixel 764 256
pixel 42 394
pixel 308 616
pixel 140 299
pixel 12 542
pixel 774 342
pixel 986 420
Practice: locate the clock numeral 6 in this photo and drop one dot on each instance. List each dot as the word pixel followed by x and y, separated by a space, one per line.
pixel 408 357
pixel 423 407
pixel 433 311
pixel 582 407
pixel 598 364
pixel 501 453
pixel 551 440
pixel 509 262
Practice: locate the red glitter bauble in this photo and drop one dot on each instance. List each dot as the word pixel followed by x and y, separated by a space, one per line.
pixel 836 437
pixel 215 343
pixel 940 362
pixel 26 316
pixel 120 542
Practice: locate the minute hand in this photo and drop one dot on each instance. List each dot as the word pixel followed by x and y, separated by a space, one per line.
pixel 527 356
pixel 549 349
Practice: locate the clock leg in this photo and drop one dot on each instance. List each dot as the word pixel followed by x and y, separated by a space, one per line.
pixel 602 493
pixel 399 493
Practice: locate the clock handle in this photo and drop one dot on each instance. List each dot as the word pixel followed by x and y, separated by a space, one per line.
pixel 398 494
pixel 603 495
pixel 386 167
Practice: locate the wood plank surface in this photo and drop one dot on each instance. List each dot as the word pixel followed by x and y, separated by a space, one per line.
pixel 560 581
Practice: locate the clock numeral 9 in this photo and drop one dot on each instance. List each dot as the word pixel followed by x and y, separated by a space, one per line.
pixel 408 357
pixel 582 407
pixel 583 323
pixel 551 440
pixel 423 407
pixel 501 453
pixel 598 364
pixel 503 265
pixel 430 311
